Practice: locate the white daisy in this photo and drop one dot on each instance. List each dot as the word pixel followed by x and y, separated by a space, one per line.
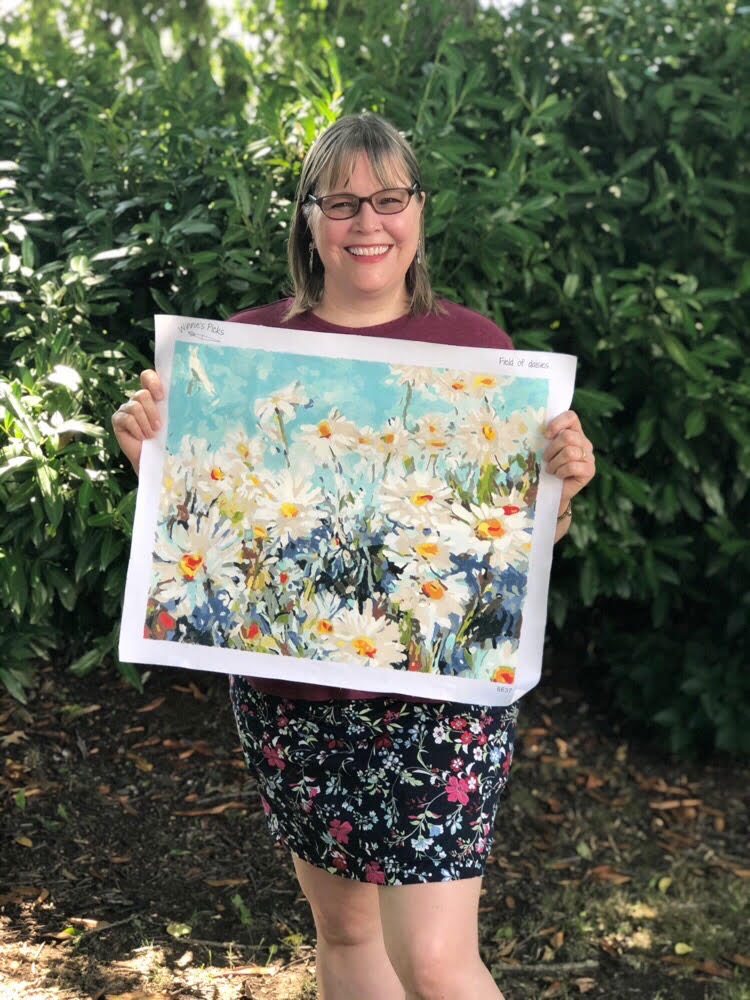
pixel 485 437
pixel 415 549
pixel 526 429
pixel 417 500
pixel 482 384
pixel 394 439
pixel 239 444
pixel 495 664
pixel 432 435
pixel 360 637
pixel 173 485
pixel 204 552
pixel 432 600
pixel 283 401
pixel 332 436
pixel 416 376
pixel 488 530
pixel 292 509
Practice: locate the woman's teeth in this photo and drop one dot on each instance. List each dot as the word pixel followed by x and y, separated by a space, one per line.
pixel 367 251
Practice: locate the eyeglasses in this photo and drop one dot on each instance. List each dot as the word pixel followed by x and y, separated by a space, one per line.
pixel 389 201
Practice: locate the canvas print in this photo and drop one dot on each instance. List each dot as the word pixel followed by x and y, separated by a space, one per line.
pixel 352 512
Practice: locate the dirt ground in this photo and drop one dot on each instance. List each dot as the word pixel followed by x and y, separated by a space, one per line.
pixel 136 862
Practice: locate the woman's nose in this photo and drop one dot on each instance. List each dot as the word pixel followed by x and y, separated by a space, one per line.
pixel 367 218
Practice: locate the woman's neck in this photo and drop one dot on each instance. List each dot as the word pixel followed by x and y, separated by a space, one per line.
pixel 361 313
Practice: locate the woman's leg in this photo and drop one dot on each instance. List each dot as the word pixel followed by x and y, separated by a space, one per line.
pixel 431 933
pixel 352 963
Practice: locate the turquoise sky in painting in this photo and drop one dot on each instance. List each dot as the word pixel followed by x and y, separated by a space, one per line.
pixel 360 390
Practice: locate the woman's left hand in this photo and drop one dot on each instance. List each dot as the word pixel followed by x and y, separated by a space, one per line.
pixel 569 455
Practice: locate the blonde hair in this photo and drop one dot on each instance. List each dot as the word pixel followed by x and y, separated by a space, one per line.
pixel 331 158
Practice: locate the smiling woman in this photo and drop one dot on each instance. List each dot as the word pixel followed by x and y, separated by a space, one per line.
pixel 387 803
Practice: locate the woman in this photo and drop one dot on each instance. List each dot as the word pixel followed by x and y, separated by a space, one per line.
pixel 389 826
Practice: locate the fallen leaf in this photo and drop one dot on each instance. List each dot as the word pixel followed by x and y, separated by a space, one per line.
pixel 553 990
pixel 152 704
pixel 184 960
pixel 120 859
pixel 24 842
pixel 605 873
pixel 674 803
pixel 664 883
pixel 210 812
pixel 13 738
pixel 557 939
pixel 218 882
pixel 178 930
pixel 19 893
pixel 682 949
pixel 585 984
pixel 740 959
pixel 510 902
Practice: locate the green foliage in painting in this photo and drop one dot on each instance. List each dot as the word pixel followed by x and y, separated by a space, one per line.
pixel 588 179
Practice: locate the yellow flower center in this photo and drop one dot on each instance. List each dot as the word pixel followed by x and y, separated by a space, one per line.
pixel 324 627
pixel 243 450
pixel 458 385
pixel 486 381
pixel 433 590
pixel 259 531
pixel 324 429
pixel 364 647
pixel 289 510
pixel 190 565
pixel 420 499
pixel 426 549
pixel 504 675
pixel 387 438
pixel 436 444
pixel 216 474
pixel 168 482
pixel 489 432
pixel 250 632
pixel 493 528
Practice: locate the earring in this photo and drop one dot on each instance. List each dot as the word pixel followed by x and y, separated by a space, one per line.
pixel 419 252
pixel 310 260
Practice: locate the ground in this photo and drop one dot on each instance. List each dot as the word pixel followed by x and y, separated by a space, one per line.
pixel 136 862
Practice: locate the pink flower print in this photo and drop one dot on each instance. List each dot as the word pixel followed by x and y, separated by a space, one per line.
pixel 340 831
pixel 482 739
pixel 390 715
pixel 472 782
pixel 456 764
pixel 479 846
pixel 506 763
pixel 333 744
pixel 466 738
pixel 306 806
pixel 459 724
pixel 282 721
pixel 456 790
pixel 315 790
pixel 373 873
pixel 273 757
pixel 338 860
pixel 266 807
pixel 383 741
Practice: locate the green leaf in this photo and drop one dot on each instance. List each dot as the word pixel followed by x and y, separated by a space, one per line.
pixel 695 423
pixel 635 161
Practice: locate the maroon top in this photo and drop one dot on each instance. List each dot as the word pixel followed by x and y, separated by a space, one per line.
pixel 457 325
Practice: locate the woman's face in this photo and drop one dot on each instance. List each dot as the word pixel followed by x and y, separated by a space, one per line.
pixel 376 276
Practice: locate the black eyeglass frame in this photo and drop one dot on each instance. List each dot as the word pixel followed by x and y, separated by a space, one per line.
pixel 312 199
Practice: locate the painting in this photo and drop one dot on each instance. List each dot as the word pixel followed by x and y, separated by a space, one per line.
pixel 347 511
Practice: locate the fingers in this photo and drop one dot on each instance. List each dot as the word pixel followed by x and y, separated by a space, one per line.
pixel 570 446
pixel 151 382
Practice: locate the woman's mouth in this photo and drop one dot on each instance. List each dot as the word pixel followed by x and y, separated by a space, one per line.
pixel 368 254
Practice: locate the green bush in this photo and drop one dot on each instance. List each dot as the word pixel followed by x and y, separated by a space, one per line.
pixel 587 171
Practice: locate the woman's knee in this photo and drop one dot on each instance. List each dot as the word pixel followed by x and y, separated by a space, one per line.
pixel 429 968
pixel 346 912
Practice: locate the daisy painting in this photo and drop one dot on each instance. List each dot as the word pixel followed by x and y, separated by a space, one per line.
pixel 323 513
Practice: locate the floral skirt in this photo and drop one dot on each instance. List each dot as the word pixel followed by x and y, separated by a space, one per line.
pixel 378 789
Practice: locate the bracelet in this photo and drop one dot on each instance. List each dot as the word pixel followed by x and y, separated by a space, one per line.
pixel 568 512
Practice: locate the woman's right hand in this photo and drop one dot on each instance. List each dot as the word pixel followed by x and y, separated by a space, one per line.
pixel 138 418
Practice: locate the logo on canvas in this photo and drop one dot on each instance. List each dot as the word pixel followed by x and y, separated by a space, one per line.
pixel 203 330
